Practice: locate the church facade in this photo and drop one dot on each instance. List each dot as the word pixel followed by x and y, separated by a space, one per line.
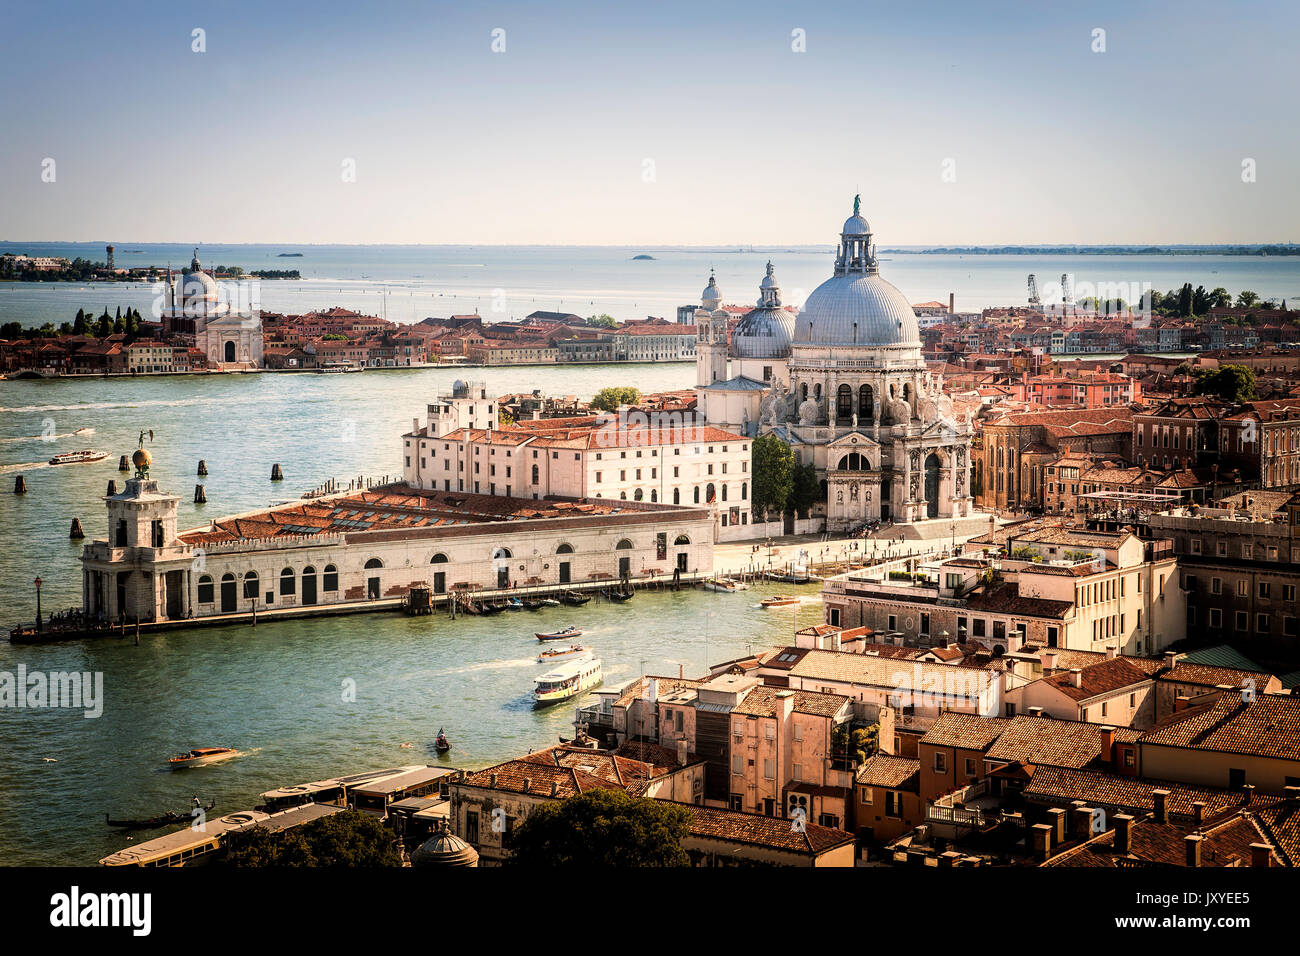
pixel 228 336
pixel 845 385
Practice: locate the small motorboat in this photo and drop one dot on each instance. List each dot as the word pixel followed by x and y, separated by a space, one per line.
pixel 779 600
pixel 84 430
pixel 574 599
pixel 563 634
pixel 78 457
pixel 514 604
pixel 441 743
pixel 202 757
pixel 719 585
pixel 615 595
pixel 549 602
pixel 572 652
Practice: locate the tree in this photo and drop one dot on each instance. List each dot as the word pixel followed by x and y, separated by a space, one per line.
pixel 505 419
pixel 773 463
pixel 609 399
pixel 807 489
pixel 1246 299
pixel 601 828
pixel 1232 383
pixel 349 838
pixel 602 321
pixel 82 325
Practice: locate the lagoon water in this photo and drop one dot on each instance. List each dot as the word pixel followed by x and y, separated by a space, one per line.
pixel 276 690
pixel 410 283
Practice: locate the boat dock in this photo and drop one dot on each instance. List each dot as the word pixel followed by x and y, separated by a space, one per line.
pixel 414 794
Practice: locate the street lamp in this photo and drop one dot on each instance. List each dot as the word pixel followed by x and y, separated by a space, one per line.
pixel 39 627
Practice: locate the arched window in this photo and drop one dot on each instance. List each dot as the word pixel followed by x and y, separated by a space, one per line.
pixel 744 491
pixel 854 462
pixel 330 581
pixel 682 539
pixel 622 496
pixel 624 545
pixel 206 590
pixel 373 563
pixel 724 491
pixel 438 558
pixel 710 493
pixel 536 475
pixel 564 549
pixel 677 496
pixel 654 494
pixel 803 391
pixel 638 494
pixel 502 554
pixel 697 494
pixel 866 403
pixel 288 582
pixel 844 402
pixel 250 584
pixel 817 391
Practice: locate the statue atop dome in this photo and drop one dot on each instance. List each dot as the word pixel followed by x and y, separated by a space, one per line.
pixel 857 208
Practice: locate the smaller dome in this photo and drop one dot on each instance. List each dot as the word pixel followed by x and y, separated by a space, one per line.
pixel 444 848
pixel 855 225
pixel 711 297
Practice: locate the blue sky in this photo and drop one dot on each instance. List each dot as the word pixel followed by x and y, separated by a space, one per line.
pixel 551 140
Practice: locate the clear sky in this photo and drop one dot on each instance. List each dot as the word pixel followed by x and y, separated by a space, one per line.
pixel 649 123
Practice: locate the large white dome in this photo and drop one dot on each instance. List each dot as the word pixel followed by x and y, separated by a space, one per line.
pixel 857 310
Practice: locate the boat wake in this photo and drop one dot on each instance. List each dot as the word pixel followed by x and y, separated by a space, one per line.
pixel 23 466
pixel 151 403
pixel 487 666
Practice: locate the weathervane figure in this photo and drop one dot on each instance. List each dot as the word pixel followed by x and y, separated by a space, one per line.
pixel 857 204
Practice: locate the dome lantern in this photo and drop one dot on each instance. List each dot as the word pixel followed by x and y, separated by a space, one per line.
pixel 857 253
pixel 711 298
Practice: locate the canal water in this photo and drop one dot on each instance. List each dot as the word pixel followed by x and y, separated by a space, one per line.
pixel 277 691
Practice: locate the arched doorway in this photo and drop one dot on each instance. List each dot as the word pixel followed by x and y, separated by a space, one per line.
pixel 309 585
pixel 229 594
pixel 683 557
pixel 439 576
pixel 566 564
pixel 624 560
pixel 500 560
pixel 230 351
pixel 372 580
pixel 932 486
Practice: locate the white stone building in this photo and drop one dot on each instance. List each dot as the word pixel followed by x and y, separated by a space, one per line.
pixel 227 330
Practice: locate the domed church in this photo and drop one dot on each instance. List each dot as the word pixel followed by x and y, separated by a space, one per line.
pixel 193 304
pixel 854 396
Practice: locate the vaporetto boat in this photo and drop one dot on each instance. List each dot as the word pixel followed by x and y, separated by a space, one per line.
pixel 566 682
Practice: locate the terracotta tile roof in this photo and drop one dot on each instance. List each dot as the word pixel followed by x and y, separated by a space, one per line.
pixel 1269 726
pixel 757 830
pixel 965 731
pixel 567 771
pixel 1164 844
pixel 1280 821
pixel 1056 743
pixel 1104 677
pixel 890 772
pixel 1005 598
pixel 1184 672
pixel 763 701
pixel 1125 794
pixel 883 672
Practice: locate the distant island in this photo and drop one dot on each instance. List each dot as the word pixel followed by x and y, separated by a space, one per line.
pixel 289 255
pixel 642 256
pixel 1280 249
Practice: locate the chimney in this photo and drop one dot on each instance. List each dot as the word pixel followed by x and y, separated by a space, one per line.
pixel 1076 677
pixel 1112 653
pixel 1107 744
pixel 555 787
pixel 1048 659
pixel 1056 817
pixel 1035 711
pixel 952 302
pixel 1042 834
pixel 1082 817
pixel 1181 702
pixel 1193 844
pixel 1261 854
pixel 492 781
pixel 1171 658
pixel 1123 831
pixel 1247 794
pixel 1160 810
pixel 528 782
pixel 681 751
pixel 1198 813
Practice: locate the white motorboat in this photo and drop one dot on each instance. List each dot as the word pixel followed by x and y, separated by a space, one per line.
pixel 573 652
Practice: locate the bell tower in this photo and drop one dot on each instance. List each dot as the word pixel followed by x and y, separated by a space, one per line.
pixel 711 331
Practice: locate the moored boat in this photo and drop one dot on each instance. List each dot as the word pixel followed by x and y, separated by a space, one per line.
pixel 549 602
pixel 566 682
pixel 532 605
pixel 612 594
pixel 202 757
pixel 719 585
pixel 563 634
pixel 78 457
pixel 574 599
pixel 572 652
pixel 162 820
pixel 514 604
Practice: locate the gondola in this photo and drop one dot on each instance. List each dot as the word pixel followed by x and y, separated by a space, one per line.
pixel 574 599
pixel 612 595
pixel 441 744
pixel 490 608
pixel 153 823
pixel 530 605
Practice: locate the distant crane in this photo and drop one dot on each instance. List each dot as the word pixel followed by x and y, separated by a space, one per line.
pixel 1033 290
pixel 1067 291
